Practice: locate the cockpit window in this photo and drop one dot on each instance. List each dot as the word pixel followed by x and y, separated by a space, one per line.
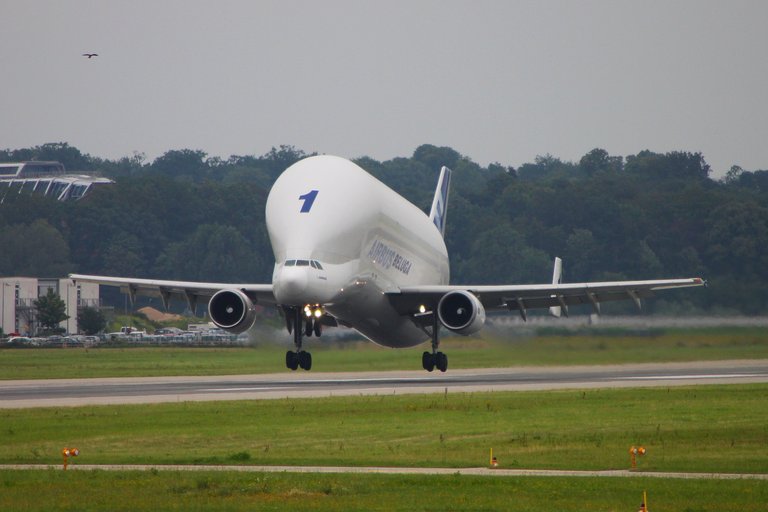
pixel 303 263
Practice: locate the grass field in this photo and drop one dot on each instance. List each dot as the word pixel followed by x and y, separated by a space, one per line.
pixel 606 346
pixel 698 429
pixel 101 490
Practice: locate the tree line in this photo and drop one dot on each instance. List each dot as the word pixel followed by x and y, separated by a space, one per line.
pixel 189 216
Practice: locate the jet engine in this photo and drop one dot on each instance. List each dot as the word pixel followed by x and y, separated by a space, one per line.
pixel 232 311
pixel 461 312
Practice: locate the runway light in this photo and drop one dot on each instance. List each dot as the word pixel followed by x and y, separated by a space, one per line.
pixel 67 453
pixel 634 451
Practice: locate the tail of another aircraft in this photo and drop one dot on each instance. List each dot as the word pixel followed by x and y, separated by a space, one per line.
pixel 440 203
pixel 557 278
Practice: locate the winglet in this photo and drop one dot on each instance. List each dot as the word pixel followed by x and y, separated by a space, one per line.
pixel 440 203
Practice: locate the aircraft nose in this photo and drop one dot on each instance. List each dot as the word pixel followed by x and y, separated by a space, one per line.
pixel 291 285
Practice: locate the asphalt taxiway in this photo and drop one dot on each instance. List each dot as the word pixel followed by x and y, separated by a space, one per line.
pixel 74 392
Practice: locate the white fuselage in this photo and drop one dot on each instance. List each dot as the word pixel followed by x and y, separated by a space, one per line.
pixel 367 238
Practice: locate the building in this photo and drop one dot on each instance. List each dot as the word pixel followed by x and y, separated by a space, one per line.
pixel 48 179
pixel 17 302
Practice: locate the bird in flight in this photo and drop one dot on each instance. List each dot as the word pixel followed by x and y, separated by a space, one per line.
pixel 89 55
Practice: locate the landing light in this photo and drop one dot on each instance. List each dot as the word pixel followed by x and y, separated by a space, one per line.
pixel 313 310
pixel 422 308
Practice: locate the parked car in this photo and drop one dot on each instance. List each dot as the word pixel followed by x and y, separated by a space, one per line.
pixel 20 340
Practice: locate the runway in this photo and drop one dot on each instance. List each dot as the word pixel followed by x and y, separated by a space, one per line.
pixel 75 392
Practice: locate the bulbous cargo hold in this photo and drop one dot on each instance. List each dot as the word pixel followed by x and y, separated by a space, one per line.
pixel 328 209
pixel 232 311
pixel 461 312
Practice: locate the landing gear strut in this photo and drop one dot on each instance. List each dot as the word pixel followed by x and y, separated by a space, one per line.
pixel 299 358
pixel 434 359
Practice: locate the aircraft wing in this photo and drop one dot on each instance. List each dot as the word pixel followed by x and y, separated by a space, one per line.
pixel 191 292
pixel 407 300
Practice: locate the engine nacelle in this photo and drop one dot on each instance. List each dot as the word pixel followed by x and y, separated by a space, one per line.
pixel 232 311
pixel 461 312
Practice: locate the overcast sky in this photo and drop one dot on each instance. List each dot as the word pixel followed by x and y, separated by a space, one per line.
pixel 496 80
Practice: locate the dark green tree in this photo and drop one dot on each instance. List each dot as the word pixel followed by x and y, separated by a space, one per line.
pixel 185 162
pixel 213 252
pixel 122 256
pixel 70 156
pixel 51 310
pixel 599 160
pixel 36 249
pixel 279 159
pixel 435 157
pixel 91 321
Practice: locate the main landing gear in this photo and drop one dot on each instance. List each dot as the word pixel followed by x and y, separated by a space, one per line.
pixel 434 359
pixel 301 323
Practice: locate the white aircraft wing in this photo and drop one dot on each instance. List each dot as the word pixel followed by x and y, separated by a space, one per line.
pixel 407 300
pixel 191 292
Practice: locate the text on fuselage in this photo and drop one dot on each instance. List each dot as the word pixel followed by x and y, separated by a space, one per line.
pixel 387 258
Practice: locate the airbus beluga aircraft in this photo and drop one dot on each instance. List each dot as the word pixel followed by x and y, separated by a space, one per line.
pixel 350 251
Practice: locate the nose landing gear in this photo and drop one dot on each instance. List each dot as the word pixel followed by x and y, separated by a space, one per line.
pixel 294 360
pixel 301 358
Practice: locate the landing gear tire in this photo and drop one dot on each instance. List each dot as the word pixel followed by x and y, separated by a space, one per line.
pixel 308 330
pixel 318 328
pixel 291 360
pixel 431 361
pixel 428 361
pixel 305 360
pixel 441 361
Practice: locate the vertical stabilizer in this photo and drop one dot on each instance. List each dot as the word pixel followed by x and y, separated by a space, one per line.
pixel 440 203
pixel 557 278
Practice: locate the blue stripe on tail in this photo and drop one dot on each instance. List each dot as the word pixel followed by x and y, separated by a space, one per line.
pixel 440 202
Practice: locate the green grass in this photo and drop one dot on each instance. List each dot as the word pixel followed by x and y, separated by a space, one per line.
pixel 118 491
pixel 599 346
pixel 699 429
